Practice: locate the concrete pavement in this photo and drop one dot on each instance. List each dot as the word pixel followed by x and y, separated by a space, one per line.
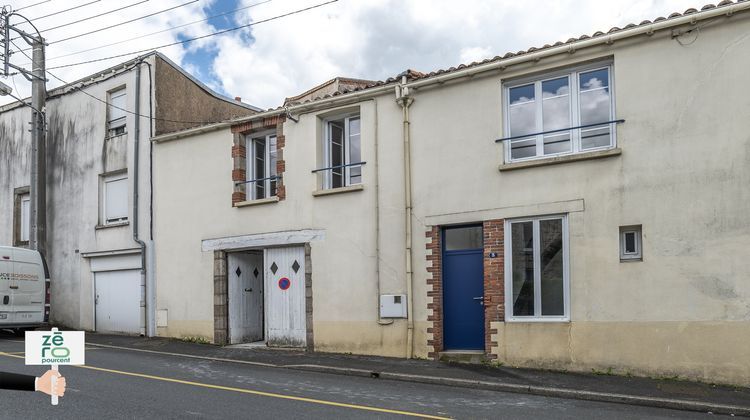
pixel 119 383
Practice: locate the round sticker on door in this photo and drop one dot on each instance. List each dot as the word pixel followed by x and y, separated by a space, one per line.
pixel 284 283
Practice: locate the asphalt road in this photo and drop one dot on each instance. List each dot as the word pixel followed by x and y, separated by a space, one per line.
pixel 125 384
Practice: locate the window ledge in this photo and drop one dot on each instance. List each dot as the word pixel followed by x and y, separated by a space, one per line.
pixel 274 199
pixel 112 225
pixel 339 190
pixel 599 154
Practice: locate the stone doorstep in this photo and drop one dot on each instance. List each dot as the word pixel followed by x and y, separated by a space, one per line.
pixel 463 356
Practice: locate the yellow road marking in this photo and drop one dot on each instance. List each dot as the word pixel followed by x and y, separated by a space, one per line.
pixel 253 392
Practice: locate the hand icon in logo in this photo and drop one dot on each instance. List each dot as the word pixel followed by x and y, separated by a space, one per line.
pixel 44 383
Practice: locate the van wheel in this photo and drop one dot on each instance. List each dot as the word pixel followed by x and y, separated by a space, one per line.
pixel 20 332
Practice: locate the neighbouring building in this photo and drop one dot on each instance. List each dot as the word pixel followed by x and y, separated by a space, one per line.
pixel 99 243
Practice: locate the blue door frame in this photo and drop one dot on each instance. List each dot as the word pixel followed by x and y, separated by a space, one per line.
pixel 463 291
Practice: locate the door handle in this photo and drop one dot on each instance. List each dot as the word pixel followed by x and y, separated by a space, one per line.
pixel 96 299
pixel 13 286
pixel 480 299
pixel 6 299
pixel 249 290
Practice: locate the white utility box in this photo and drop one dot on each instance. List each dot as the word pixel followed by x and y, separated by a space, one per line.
pixel 393 306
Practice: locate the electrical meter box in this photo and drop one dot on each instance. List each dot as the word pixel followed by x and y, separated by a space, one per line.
pixel 393 306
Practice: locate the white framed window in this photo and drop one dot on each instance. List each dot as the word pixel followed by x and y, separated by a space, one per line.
pixel 536 269
pixel 631 239
pixel 343 152
pixel 25 217
pixel 114 205
pixel 560 113
pixel 262 155
pixel 116 115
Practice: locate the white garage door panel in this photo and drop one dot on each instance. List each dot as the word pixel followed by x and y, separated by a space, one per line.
pixel 285 309
pixel 118 301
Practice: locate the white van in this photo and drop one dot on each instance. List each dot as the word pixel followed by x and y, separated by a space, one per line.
pixel 24 289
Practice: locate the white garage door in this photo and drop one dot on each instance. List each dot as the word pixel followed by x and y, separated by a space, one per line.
pixel 118 301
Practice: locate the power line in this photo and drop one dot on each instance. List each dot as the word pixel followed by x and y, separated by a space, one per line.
pixel 85 19
pixel 66 10
pixel 196 38
pixel 123 23
pixel 32 5
pixel 95 16
pixel 80 89
pixel 162 31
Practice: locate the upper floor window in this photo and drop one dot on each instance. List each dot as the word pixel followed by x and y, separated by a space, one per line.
pixel 343 151
pixel 561 113
pixel 261 165
pixel 116 113
pixel 114 198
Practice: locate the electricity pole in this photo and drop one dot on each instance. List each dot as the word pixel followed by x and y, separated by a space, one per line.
pixel 38 184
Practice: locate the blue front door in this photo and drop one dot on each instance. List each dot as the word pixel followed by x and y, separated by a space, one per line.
pixel 463 288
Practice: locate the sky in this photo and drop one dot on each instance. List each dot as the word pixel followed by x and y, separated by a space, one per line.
pixel 274 56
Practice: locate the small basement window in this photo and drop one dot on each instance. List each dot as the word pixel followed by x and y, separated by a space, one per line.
pixel 631 243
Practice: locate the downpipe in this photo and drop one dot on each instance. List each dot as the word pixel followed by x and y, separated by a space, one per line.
pixel 136 179
pixel 403 99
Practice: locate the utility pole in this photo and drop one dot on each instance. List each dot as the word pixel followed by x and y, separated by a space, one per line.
pixel 38 182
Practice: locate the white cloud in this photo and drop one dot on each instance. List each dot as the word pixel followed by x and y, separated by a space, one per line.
pixel 372 39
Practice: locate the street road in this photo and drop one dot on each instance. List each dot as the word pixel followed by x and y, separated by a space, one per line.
pixel 127 384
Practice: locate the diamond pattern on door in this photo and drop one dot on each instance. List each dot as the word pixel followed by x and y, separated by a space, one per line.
pixel 295 266
pixel 238 271
pixel 274 268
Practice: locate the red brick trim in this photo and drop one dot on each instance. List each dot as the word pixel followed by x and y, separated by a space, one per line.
pixel 434 292
pixel 265 123
pixel 494 280
pixel 239 151
pixel 238 175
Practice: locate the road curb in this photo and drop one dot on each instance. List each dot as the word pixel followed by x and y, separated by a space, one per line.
pixel 669 403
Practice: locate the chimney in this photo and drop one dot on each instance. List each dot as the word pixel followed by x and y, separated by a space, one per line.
pixel 238 99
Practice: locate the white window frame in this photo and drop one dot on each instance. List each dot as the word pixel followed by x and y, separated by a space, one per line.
pixel 509 317
pixel 328 174
pixel 638 236
pixel 250 164
pixel 25 218
pixel 105 180
pixel 119 122
pixel 574 110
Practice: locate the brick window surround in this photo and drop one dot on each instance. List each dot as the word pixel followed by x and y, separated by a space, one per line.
pixel 239 155
pixel 494 286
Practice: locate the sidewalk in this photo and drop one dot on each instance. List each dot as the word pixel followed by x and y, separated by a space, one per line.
pixel 662 393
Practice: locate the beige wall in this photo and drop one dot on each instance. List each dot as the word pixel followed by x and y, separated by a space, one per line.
pixel 682 174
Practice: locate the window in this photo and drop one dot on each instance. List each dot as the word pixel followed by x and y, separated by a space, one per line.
pixel 115 199
pixel 457 238
pixel 22 217
pixel 343 152
pixel 116 113
pixel 630 243
pixel 563 113
pixel 25 218
pixel 536 269
pixel 261 165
